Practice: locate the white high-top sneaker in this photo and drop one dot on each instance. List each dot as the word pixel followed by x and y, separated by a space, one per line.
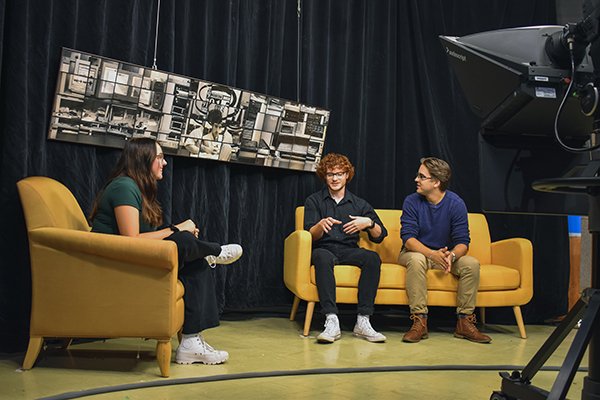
pixel 364 330
pixel 332 330
pixel 229 254
pixel 195 349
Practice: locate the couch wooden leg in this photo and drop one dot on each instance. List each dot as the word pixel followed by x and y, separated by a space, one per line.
pixel 520 324
pixel 33 350
pixel 482 315
pixel 294 308
pixel 163 356
pixel 310 308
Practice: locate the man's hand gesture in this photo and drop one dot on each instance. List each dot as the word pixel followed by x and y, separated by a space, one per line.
pixel 441 257
pixel 357 224
pixel 327 223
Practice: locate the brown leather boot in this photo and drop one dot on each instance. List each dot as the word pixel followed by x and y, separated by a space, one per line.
pixel 466 329
pixel 418 330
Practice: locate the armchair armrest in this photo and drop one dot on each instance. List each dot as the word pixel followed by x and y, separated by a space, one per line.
pixel 148 252
pixel 87 284
pixel 516 253
pixel 296 264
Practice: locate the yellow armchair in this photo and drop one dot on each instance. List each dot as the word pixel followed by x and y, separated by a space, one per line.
pixel 90 285
pixel 506 271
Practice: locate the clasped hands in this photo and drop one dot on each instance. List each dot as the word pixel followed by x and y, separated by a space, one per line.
pixel 357 224
pixel 188 225
pixel 441 257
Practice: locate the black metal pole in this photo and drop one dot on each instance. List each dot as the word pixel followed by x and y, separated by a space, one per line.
pixel 591 383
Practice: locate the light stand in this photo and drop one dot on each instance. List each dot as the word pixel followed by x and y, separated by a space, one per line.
pixel 517 385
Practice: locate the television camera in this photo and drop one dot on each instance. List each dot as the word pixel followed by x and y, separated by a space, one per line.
pixel 536 90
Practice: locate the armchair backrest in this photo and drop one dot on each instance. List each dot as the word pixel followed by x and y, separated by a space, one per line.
pixel 389 249
pixel 48 203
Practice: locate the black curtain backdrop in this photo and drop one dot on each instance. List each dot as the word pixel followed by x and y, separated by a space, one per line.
pixel 377 65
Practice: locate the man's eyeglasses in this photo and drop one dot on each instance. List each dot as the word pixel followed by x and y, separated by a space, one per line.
pixel 338 175
pixel 422 177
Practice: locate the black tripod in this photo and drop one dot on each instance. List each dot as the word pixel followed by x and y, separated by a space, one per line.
pixel 517 385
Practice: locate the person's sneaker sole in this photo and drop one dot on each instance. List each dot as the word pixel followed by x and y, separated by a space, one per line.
pixel 370 338
pixel 326 340
pixel 231 260
pixel 195 359
pixel 198 362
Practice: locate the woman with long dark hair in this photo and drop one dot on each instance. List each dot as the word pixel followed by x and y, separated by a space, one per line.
pixel 128 205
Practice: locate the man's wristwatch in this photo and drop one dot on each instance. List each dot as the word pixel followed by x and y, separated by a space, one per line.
pixel 453 256
pixel 173 228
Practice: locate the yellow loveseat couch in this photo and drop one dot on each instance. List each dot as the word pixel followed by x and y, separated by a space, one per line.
pixel 93 285
pixel 506 270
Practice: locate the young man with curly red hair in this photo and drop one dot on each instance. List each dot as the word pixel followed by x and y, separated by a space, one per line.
pixel 334 217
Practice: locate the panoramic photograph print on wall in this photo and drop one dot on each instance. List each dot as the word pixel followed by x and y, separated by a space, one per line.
pixel 104 102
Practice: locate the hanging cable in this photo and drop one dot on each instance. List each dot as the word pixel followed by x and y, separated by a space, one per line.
pixel 562 104
pixel 156 33
pixel 299 50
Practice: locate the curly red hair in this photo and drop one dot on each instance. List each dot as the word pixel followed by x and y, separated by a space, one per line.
pixel 332 161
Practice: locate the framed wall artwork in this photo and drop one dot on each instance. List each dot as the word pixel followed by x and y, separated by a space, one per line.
pixel 104 102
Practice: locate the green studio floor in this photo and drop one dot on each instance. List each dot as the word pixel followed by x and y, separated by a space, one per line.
pixel 267 344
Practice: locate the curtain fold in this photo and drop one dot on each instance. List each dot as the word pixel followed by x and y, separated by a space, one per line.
pixel 377 65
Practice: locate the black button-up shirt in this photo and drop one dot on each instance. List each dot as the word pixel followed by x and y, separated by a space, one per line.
pixel 320 205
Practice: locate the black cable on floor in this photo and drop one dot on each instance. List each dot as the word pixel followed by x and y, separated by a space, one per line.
pixel 271 374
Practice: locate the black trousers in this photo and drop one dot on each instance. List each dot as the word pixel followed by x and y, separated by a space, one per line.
pixel 201 308
pixel 368 261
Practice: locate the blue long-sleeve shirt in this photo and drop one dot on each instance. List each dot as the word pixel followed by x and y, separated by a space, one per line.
pixel 441 225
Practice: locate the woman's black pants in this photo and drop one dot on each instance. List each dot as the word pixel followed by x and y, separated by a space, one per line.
pixel 201 308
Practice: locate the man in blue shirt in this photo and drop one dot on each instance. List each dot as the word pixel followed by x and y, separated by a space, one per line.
pixel 435 233
pixel 334 217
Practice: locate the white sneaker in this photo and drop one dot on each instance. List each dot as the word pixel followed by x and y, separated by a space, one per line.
pixel 332 331
pixel 195 349
pixel 229 253
pixel 364 330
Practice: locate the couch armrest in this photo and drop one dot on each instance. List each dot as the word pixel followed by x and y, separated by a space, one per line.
pixel 148 252
pixel 516 253
pixel 296 263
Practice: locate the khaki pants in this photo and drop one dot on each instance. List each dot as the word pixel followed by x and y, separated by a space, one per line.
pixel 466 269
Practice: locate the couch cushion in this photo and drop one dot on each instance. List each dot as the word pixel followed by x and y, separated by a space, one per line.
pixel 498 277
pixel 493 277
pixel 393 276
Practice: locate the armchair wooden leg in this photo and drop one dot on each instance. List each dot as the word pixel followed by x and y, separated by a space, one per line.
pixel 163 356
pixel 520 324
pixel 310 308
pixel 33 350
pixel 482 315
pixel 294 308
